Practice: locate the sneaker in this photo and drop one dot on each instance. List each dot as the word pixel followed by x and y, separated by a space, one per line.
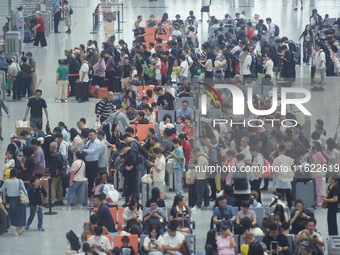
pixel 295 9
pixel 321 89
pixel 67 208
pixel 264 188
pixel 301 8
pixel 200 20
pixel 27 227
pixel 80 207
pixel 41 229
pixel 195 209
pixel 315 88
pixel 16 233
pixel 58 101
pixel 21 230
pixel 65 101
pixel 206 207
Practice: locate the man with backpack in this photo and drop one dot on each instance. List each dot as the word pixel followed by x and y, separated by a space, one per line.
pixel 83 80
pixel 270 32
pixel 240 178
pixel 16 146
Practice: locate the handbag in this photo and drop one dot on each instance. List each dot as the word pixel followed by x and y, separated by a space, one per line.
pixel 147 179
pixel 170 166
pixel 324 205
pixel 317 77
pixel 8 83
pixel 244 249
pixel 23 198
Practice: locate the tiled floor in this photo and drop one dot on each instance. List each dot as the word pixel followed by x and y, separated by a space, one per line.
pixel 323 105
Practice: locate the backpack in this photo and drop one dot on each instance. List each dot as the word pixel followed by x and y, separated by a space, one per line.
pixel 194 68
pixel 112 195
pixel 142 151
pixel 62 165
pixel 277 31
pixel 71 10
pixel 240 180
pixel 143 166
pixel 90 73
pixel 286 176
pixel 164 68
pixel 69 156
pixel 19 151
pixel 295 49
pixel 73 239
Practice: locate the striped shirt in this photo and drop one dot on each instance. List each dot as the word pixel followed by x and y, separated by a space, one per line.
pixel 3 106
pixel 105 108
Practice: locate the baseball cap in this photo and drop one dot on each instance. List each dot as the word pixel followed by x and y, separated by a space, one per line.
pixel 29 53
pixel 92 47
pixel 14 136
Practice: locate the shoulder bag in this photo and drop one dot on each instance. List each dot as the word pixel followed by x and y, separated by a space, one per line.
pixel 68 175
pixel 23 197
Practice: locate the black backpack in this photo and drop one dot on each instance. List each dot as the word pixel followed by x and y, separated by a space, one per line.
pixel 277 31
pixel 91 71
pixel 240 180
pixel 142 151
pixel 73 239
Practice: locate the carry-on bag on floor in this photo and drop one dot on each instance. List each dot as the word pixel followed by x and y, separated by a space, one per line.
pixel 274 246
pixel 146 190
pixel 85 194
pixel 43 181
pixel 4 220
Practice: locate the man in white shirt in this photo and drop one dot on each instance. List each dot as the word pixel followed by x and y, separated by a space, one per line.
pixel 245 149
pixel 184 68
pixel 63 146
pixel 172 239
pixel 320 66
pixel 309 235
pixel 84 79
pixel 158 171
pixel 247 63
pixel 99 243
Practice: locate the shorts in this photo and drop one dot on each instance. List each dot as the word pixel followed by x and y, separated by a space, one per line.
pixel 205 9
pixel 323 72
pixel 158 76
pixel 159 185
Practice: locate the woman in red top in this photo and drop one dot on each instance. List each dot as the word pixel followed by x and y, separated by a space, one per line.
pixel 186 148
pixel 39 31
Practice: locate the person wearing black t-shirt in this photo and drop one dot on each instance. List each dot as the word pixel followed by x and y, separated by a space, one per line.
pixel 165 99
pixel 35 105
pixel 332 199
pixel 73 68
pixel 255 247
pixel 274 236
pixel 129 159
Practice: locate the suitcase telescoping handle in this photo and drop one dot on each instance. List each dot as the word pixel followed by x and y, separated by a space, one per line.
pixel 274 245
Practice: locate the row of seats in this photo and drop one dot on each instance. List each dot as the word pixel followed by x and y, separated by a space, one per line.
pixel 263 211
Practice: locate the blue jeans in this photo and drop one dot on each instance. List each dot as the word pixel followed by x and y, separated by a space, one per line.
pixel 33 210
pixel 78 188
pixel 35 120
pixel 178 181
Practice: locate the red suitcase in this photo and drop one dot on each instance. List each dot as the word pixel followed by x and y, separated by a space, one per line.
pixel 101 92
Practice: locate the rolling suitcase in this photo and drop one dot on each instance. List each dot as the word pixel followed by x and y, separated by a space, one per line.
pixel 305 191
pixel 146 190
pixel 85 194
